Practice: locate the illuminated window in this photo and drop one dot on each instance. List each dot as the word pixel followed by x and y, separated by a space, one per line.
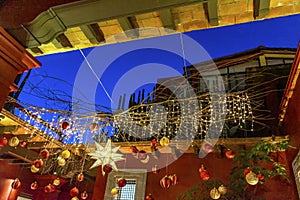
pixel 134 188
pixel 23 198
pixel 128 191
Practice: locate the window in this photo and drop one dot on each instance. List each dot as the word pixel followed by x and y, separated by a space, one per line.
pixel 134 189
pixel 23 198
pixel 128 191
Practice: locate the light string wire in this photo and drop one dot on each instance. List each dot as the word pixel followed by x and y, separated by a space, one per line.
pixel 94 73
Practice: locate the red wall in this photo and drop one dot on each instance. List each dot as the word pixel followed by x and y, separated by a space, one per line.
pixel 186 168
pixel 291 127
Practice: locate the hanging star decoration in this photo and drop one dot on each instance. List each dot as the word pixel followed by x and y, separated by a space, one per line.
pixel 106 155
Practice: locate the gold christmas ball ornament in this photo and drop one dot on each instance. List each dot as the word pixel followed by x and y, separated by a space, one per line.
pixel 56 182
pixel 34 169
pixel 164 141
pixel 214 193
pixel 74 198
pixel 14 141
pixel 252 178
pixel 222 189
pixel 61 162
pixel 114 191
pixel 66 154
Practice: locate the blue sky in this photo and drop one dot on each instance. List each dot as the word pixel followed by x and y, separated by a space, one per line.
pixel 221 41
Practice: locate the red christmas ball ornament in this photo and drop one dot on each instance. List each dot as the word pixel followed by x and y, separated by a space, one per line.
pixel 65 125
pixel 202 168
pixel 52 188
pixel 229 154
pixel 247 171
pixel 80 177
pixel 155 169
pixel 34 185
pixel 260 176
pixel 149 197
pixel 74 192
pixel 153 143
pixel 84 195
pixel 44 154
pixel 121 182
pixel 107 169
pixel 49 188
pixel 133 150
pixel 165 182
pixel 174 179
pixel 38 163
pixel 3 141
pixel 23 143
pixel 204 175
pixel 16 184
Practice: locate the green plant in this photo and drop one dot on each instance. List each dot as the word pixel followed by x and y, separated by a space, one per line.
pixel 256 160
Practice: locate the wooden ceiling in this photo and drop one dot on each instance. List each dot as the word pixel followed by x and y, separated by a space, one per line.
pixel 83 24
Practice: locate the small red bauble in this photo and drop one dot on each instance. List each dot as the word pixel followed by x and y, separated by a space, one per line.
pixel 3 141
pixel 204 175
pixel 49 188
pixel 134 150
pixel 229 154
pixel 74 192
pixel 44 154
pixel 38 163
pixel 153 143
pixel 65 125
pixel 121 182
pixel 247 171
pixel 202 168
pixel 107 168
pixel 34 185
pixel 16 184
pixel 165 182
pixel 80 177
pixel 23 143
pixel 260 176
pixel 149 197
pixel 84 195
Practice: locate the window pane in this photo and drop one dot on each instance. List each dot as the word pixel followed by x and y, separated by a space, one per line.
pixel 128 191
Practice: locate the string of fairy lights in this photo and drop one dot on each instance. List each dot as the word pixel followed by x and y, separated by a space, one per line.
pixel 136 123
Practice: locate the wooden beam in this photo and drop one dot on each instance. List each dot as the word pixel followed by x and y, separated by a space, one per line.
pixel 56 20
pixel 93 33
pixel 64 41
pixel 41 145
pixel 128 28
pixel 8 129
pixel 20 153
pixel 212 11
pixel 36 50
pixel 87 12
pixel 166 18
pixel 261 8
